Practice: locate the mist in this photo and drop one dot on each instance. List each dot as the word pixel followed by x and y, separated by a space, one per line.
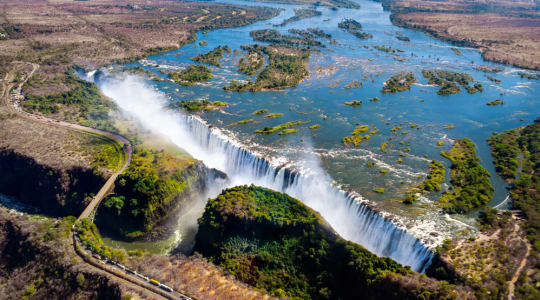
pixel 346 213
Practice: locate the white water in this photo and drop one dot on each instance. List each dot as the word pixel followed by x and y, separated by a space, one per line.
pixel 346 213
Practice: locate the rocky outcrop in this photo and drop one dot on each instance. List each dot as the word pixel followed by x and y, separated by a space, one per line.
pixel 54 191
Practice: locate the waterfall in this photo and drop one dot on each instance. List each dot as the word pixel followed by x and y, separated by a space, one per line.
pixel 347 213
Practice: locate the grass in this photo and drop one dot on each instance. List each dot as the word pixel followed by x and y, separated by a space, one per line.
pixel 273 115
pixel 241 122
pixel 378 190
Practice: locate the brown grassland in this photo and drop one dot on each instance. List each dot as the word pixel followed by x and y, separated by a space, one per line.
pixel 505 31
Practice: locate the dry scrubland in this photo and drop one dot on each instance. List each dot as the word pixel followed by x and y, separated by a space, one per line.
pixel 505 31
pixel 58 34
pixel 38 262
pixel 196 277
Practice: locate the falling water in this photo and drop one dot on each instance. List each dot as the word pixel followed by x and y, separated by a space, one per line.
pixel 347 213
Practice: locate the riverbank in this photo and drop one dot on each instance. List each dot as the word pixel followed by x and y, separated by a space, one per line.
pixel 512 36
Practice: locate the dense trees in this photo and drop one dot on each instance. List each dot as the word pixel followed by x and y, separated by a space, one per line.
pixel 213 57
pixel 274 242
pixel 145 193
pixel 398 83
pixel 471 188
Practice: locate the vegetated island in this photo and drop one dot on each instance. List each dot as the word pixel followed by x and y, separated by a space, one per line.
pixel 329 3
pixel 286 67
pixel 253 61
pixel 470 186
pixel 512 38
pixel 448 81
pixel 355 28
pixel 190 75
pixel 300 14
pixel 398 83
pixel 213 57
pixel 273 241
pixel 432 182
pixel 195 106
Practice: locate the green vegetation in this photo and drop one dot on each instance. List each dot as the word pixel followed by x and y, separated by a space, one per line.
pixel 213 57
pixel 287 125
pixel 477 87
pixel 493 79
pixel 318 32
pixel 273 115
pixel 403 38
pixel 260 112
pixel 378 190
pixel 242 122
pixel 495 102
pixel 253 62
pixel 190 75
pixel 399 83
pixel 511 150
pixel 487 69
pixel 355 28
pixel 356 138
pixel 91 239
pixel 470 186
pixel 194 106
pixel 288 131
pixel 275 38
pixel 387 49
pixel 313 127
pixel 374 99
pixel 276 243
pixel 432 182
pixel 145 192
pixel 299 14
pixel 529 75
pixel 448 81
pixel 105 152
pixel 353 103
pixel 505 151
pixel 83 103
pixel 286 68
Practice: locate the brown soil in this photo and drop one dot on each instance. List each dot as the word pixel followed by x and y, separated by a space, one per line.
pixel 505 31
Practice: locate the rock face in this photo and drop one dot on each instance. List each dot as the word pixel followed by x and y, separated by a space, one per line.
pixel 150 192
pixel 58 192
pixel 37 262
pixel 272 241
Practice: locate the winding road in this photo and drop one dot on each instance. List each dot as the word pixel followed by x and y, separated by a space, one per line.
pixel 118 272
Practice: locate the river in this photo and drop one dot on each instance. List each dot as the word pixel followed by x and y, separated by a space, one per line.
pixel 313 165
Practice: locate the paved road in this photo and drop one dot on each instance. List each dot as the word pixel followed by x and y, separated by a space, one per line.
pixel 121 274
pixel 124 143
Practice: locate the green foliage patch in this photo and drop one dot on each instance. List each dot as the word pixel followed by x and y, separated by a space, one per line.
pixel 470 185
pixel 276 243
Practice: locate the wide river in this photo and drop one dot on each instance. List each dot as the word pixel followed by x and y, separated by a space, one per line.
pixel 320 98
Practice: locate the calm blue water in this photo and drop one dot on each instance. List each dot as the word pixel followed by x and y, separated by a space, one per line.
pixel 322 96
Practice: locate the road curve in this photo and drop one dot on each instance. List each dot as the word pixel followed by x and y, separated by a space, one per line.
pixel 126 148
